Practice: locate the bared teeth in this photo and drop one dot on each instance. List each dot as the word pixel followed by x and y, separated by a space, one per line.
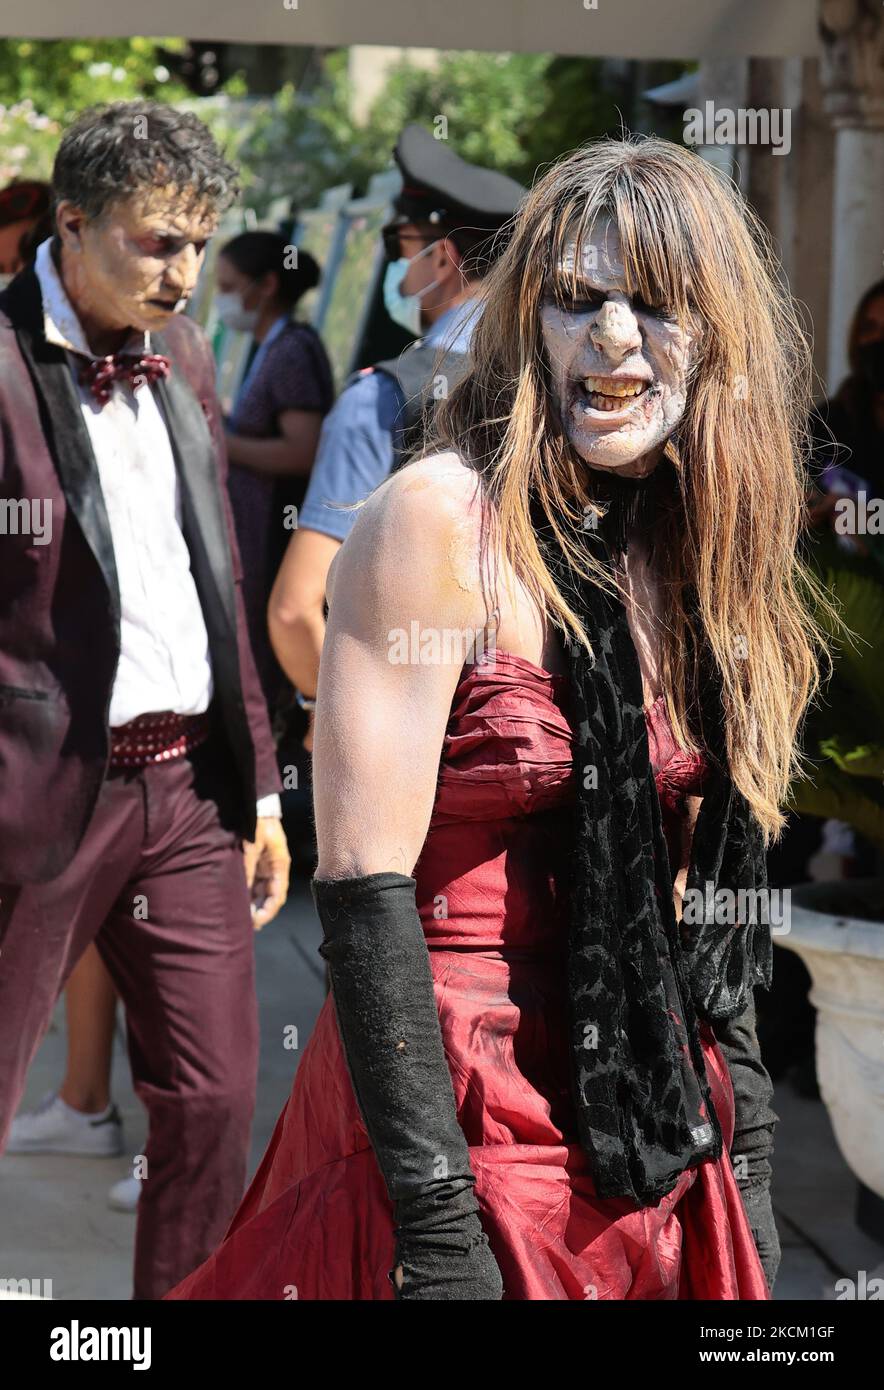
pixel 605 386
pixel 609 393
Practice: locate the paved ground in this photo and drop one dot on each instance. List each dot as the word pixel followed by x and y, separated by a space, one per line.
pixel 55 1223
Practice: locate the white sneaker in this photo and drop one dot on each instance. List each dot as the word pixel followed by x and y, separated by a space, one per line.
pixel 124 1194
pixel 54 1127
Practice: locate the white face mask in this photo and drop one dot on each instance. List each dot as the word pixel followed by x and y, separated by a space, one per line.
pixel 232 313
pixel 405 309
pixel 6 280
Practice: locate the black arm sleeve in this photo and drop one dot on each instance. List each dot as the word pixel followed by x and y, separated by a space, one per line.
pixel 389 1026
pixel 755 1117
pixel 753 1132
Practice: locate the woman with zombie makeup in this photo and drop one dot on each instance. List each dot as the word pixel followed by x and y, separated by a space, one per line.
pixel 541 868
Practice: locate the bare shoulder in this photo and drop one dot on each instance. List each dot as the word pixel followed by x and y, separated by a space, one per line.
pixel 417 541
pixel 439 485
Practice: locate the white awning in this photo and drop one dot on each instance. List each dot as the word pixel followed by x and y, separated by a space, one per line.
pixel 602 28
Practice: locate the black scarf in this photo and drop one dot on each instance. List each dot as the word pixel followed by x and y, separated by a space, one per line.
pixel 637 979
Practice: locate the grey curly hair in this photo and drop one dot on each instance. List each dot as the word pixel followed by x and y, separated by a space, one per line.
pixel 115 150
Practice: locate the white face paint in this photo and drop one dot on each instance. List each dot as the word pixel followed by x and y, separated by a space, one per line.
pixel 619 367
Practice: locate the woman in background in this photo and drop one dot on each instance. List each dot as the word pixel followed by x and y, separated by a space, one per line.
pixel 24 223
pixel 274 427
pixel 848 458
pixel 849 426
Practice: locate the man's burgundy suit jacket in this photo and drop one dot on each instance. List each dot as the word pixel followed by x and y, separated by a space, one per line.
pixel 60 604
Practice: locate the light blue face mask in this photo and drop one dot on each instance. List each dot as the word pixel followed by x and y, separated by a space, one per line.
pixel 405 309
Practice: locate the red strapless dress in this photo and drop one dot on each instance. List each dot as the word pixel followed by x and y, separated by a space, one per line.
pixel 316 1222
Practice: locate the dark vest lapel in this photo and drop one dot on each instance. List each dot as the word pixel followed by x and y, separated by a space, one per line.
pixel 205 526
pixel 205 530
pixel 64 427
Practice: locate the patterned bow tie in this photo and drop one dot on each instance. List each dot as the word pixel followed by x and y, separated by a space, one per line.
pixel 101 372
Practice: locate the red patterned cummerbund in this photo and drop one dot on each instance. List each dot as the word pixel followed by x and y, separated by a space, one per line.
pixel 157 738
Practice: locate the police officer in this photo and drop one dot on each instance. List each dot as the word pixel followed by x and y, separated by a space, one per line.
pixel 439 244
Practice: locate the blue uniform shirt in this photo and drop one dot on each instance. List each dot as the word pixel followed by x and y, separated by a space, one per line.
pixel 357 446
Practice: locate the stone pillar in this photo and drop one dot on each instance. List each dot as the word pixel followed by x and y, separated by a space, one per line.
pixel 852 74
pixel 764 183
pixel 807 198
pixel 724 82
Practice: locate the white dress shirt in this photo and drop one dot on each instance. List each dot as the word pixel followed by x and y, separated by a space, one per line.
pixel 164 647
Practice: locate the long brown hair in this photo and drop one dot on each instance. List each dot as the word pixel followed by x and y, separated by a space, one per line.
pixel 688 241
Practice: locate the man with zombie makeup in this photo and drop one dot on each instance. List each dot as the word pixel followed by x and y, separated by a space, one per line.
pixel 541 874
pixel 134 741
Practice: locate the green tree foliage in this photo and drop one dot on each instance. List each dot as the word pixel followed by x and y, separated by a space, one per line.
pixel 61 76
pixel 513 112
pixel 45 83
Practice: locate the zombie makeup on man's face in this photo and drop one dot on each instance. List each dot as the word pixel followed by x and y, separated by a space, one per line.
pixel 619 366
pixel 137 264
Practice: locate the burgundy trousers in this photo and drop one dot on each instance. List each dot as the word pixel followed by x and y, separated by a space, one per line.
pixel 158 884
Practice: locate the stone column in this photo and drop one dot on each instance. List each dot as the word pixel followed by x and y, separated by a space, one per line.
pixel 809 181
pixel 724 82
pixel 852 73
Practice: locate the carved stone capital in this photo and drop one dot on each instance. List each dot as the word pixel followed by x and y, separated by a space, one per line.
pixel 852 63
